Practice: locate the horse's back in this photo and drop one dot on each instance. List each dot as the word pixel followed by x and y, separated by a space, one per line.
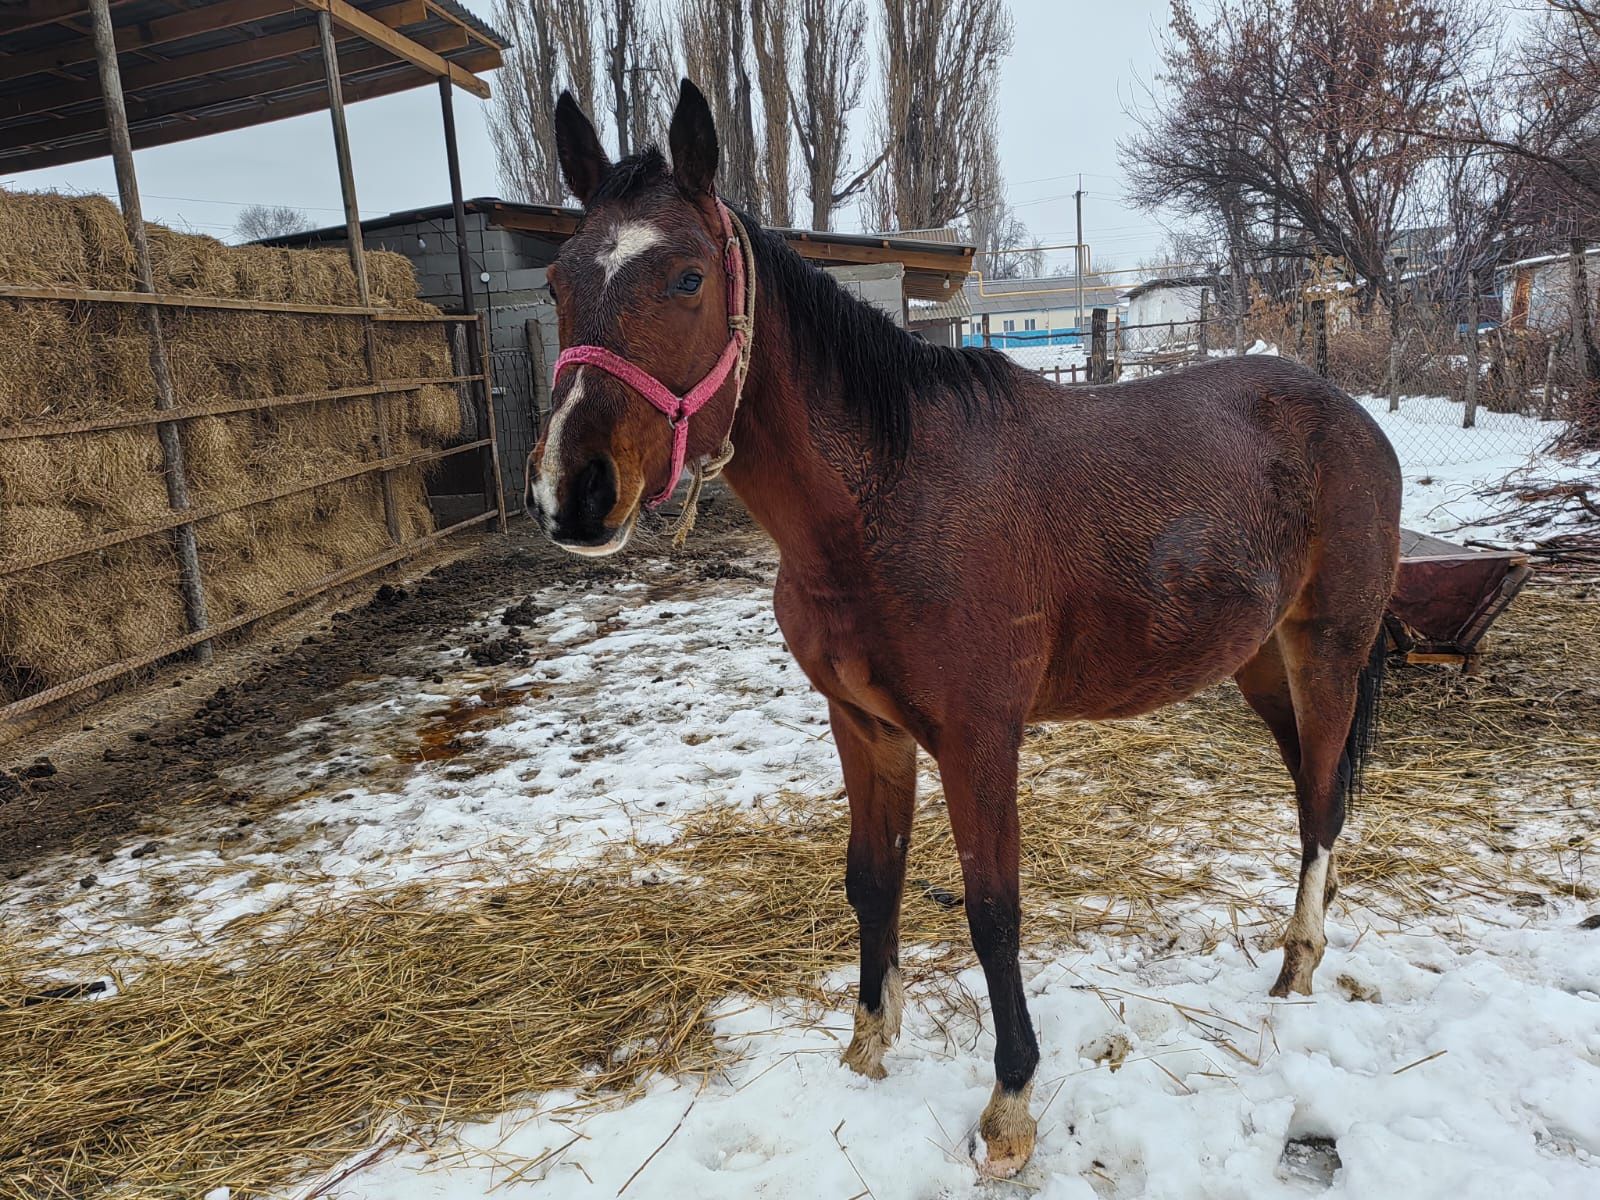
pixel 1213 498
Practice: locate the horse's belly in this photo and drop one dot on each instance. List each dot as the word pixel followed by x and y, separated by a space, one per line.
pixel 1120 664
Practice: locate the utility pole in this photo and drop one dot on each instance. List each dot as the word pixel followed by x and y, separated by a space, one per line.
pixel 1077 196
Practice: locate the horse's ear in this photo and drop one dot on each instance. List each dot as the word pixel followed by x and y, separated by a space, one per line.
pixel 583 162
pixel 693 139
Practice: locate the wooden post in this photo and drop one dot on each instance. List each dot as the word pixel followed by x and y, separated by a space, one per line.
pixel 493 486
pixel 358 260
pixel 190 581
pixel 1469 408
pixel 1097 346
pixel 987 340
pixel 498 497
pixel 1585 359
pixel 1547 406
pixel 1319 329
pixel 1200 335
pixel 1394 338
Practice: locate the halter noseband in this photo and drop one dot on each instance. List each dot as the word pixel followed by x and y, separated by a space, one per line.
pixel 734 360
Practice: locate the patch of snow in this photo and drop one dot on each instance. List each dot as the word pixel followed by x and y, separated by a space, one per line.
pixel 1445 467
pixel 635 714
pixel 1474 1075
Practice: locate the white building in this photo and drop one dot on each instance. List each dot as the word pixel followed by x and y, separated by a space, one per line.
pixel 1536 293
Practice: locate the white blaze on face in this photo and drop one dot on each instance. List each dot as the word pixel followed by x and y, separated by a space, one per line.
pixel 550 461
pixel 627 241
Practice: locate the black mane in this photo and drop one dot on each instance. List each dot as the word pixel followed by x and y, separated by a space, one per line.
pixel 883 372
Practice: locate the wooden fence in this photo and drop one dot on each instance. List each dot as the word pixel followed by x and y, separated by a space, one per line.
pixel 470 378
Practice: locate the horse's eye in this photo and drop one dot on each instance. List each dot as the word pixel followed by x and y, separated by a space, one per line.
pixel 688 283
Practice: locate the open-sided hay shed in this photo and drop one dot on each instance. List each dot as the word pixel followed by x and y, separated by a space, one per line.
pixel 283 495
pixel 195 436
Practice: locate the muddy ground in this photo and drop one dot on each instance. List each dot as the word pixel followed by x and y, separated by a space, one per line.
pixel 81 792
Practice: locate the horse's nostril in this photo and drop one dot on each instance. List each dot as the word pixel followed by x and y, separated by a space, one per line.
pixel 595 492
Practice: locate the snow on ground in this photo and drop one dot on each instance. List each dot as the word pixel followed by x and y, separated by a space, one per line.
pixel 1470 1069
pixel 634 712
pixel 1446 467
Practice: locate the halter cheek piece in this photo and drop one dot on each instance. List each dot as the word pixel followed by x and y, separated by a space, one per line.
pixel 735 361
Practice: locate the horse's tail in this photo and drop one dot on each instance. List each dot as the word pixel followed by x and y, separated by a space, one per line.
pixel 1363 735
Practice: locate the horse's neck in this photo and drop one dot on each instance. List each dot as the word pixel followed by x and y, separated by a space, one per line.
pixel 792 441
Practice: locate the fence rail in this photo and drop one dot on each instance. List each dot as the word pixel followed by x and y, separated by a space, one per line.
pixel 473 384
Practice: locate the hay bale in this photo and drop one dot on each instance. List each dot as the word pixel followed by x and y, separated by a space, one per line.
pixel 80 361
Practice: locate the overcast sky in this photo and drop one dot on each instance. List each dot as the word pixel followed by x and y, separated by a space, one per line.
pixel 1077 64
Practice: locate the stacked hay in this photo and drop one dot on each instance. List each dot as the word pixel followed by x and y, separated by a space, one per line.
pixel 81 361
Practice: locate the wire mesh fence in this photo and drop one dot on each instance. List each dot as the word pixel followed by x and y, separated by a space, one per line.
pixel 1516 408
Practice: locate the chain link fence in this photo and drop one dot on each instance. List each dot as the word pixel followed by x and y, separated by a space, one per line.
pixel 1516 408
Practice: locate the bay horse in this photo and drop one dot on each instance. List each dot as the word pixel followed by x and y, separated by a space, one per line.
pixel 965 547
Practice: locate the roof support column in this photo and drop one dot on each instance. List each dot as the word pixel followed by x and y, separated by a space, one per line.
pixel 477 351
pixel 358 259
pixel 189 578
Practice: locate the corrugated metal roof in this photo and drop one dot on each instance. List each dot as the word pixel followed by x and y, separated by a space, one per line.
pixel 189 69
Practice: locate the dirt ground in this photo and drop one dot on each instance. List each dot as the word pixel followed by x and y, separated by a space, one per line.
pixel 113 768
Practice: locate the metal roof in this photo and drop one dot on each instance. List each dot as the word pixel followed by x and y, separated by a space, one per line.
pixel 194 67
pixel 1050 291
pixel 934 270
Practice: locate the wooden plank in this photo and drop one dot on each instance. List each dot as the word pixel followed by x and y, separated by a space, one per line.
pixel 33 13
pixel 440 13
pixel 291 599
pixel 106 541
pixel 191 99
pixel 222 408
pixel 175 28
pixel 173 469
pixel 146 76
pixel 413 51
pixel 56 149
pixel 23 291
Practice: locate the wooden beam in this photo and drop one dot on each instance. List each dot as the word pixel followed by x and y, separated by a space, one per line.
pixel 146 76
pixel 190 583
pixel 56 150
pixel 194 100
pixel 175 28
pixel 441 13
pixel 398 44
pixel 822 250
pixel 34 13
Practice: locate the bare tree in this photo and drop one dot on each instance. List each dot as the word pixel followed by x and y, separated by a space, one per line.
pixel 715 42
pixel 769 25
pixel 1006 249
pixel 269 220
pixel 1318 112
pixel 937 114
pixel 639 71
pixel 522 112
pixel 831 57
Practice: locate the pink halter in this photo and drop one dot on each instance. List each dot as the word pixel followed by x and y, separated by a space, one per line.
pixel 678 409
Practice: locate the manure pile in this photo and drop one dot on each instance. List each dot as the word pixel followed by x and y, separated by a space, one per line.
pixel 64 361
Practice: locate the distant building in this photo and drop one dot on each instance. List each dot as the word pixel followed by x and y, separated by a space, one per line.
pixel 1174 302
pixel 1536 293
pixel 1034 312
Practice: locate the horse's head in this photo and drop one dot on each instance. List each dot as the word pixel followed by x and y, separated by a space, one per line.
pixel 642 293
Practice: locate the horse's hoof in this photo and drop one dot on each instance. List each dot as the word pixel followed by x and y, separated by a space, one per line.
pixel 1008 1131
pixel 876 1031
pixel 865 1057
pixel 1299 963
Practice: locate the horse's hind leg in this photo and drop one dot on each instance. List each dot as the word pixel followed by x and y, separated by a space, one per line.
pixel 1324 656
pixel 880 777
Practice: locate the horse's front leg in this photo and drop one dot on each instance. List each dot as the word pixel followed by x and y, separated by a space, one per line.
pixel 880 777
pixel 979 768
